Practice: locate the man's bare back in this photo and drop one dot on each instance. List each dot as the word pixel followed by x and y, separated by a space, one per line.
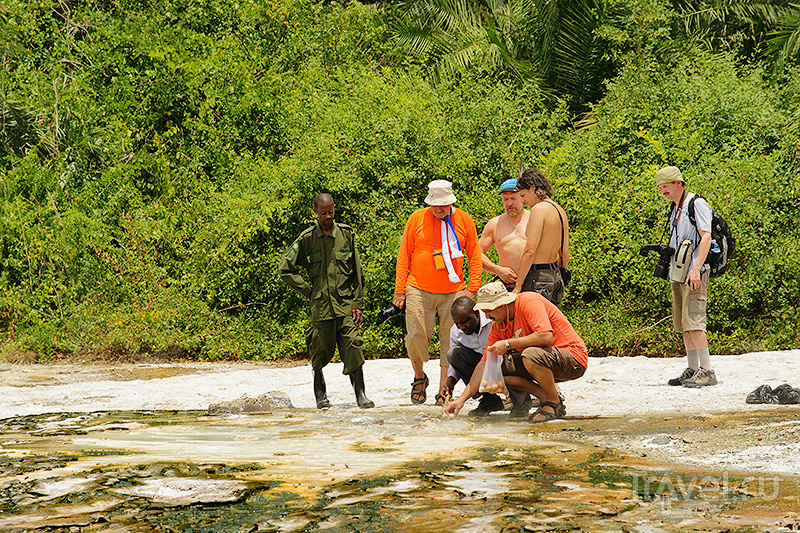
pixel 543 252
pixel 544 233
pixel 544 239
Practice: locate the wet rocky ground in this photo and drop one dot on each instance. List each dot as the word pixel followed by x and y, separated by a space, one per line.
pixel 381 470
pixel 389 469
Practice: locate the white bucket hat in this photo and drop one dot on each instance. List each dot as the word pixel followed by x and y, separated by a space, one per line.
pixel 440 192
pixel 493 295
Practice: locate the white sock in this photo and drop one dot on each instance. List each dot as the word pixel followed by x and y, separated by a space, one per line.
pixel 705 358
pixel 693 357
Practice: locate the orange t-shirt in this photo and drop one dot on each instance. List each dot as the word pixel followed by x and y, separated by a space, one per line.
pixel 533 313
pixel 415 262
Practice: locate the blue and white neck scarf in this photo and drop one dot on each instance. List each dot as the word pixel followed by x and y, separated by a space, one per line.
pixel 451 248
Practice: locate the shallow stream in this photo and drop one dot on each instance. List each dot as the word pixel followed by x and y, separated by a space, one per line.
pixel 345 470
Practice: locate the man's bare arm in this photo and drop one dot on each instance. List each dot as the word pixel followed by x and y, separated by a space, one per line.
pixel 486 242
pixel 474 384
pixel 539 338
pixel 693 279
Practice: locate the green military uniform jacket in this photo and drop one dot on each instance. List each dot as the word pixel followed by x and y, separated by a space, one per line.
pixel 333 266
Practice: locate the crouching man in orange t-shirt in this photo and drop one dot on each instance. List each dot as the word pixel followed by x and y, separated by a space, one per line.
pixel 537 344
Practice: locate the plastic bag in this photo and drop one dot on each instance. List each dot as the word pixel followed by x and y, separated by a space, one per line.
pixel 492 379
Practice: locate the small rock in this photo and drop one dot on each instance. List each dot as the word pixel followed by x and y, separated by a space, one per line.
pixel 661 440
pixel 366 420
pixel 246 404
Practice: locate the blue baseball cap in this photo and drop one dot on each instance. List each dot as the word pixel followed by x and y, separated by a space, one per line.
pixel 509 186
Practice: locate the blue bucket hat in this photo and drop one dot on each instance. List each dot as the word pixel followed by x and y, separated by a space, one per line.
pixel 509 186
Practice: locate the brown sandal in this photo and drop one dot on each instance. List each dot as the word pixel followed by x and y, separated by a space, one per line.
pixel 536 402
pixel 419 396
pixel 559 411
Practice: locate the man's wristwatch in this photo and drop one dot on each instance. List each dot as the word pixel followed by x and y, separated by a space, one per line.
pixel 508 346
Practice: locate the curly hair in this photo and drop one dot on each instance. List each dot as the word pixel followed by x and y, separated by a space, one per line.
pixel 533 178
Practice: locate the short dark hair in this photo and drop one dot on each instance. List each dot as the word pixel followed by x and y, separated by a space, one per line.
pixel 322 198
pixel 533 178
pixel 463 303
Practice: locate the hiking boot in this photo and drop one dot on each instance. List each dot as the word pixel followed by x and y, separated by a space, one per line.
pixel 688 373
pixel 521 411
pixel 701 378
pixel 488 404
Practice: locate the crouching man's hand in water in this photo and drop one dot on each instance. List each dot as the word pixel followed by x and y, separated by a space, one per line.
pixel 457 404
pixel 453 408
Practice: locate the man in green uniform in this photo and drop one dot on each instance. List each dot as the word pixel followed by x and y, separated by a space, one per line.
pixel 327 251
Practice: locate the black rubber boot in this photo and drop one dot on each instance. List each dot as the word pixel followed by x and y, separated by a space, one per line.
pixel 488 404
pixel 357 379
pixel 521 404
pixel 319 390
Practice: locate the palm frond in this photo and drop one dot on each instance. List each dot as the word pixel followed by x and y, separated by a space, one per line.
pixel 552 43
pixel 784 45
pixel 698 14
pixel 18 129
pixel 716 22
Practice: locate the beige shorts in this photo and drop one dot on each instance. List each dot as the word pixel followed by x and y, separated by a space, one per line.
pixel 560 362
pixel 689 306
pixel 422 311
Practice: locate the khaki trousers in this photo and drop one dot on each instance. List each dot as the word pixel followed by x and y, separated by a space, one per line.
pixel 689 306
pixel 422 310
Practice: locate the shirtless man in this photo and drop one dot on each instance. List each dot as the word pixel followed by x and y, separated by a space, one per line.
pixel 547 246
pixel 506 233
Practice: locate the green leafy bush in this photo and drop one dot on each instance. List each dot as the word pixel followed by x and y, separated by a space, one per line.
pixel 721 125
pixel 157 159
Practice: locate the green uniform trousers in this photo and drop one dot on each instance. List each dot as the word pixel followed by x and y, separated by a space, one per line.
pixel 324 336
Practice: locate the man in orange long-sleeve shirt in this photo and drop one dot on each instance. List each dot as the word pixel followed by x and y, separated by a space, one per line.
pixel 430 276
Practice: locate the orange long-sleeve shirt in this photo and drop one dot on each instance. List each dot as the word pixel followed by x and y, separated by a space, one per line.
pixel 415 264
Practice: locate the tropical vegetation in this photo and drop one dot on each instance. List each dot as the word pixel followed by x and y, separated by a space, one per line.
pixel 158 158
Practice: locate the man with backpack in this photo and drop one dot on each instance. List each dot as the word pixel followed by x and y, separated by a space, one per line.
pixel 690 237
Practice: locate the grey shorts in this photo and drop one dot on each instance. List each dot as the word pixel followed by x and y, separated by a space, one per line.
pixel 560 362
pixel 546 280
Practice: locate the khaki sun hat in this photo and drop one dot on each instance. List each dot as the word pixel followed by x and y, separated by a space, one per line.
pixel 440 192
pixel 669 175
pixel 493 295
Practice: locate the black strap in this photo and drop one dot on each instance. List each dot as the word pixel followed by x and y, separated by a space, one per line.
pixel 690 211
pixel 561 251
pixel 669 217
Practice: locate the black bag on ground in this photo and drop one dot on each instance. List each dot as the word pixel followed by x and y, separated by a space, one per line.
pixel 782 394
